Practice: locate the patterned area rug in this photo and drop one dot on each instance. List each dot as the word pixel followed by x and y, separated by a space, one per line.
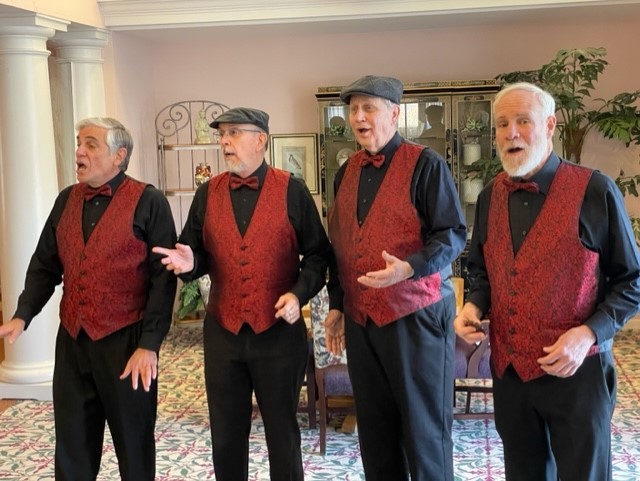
pixel 184 444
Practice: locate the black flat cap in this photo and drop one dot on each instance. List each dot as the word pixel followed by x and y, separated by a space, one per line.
pixel 386 87
pixel 243 115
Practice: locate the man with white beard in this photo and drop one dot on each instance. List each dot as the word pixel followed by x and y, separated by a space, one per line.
pixel 554 265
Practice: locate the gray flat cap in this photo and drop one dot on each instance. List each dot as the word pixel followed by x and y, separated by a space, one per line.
pixel 243 115
pixel 386 87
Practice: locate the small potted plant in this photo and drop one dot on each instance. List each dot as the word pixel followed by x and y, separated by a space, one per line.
pixel 472 131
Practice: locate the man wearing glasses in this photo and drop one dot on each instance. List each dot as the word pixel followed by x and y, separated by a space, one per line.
pixel 256 231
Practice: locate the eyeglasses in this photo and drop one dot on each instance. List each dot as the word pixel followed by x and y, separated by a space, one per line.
pixel 235 132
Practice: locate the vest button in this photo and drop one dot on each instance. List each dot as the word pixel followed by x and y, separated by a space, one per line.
pixel 513 272
pixel 244 262
pixel 512 330
pixel 510 350
pixel 512 312
pixel 243 247
pixel 512 293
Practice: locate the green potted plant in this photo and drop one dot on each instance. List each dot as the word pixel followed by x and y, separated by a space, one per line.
pixel 189 300
pixel 571 77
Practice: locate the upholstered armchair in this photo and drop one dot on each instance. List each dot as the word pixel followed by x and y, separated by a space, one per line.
pixel 332 376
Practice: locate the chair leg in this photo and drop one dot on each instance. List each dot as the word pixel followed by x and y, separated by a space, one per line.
pixel 311 397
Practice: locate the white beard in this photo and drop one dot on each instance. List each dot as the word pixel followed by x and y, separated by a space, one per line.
pixel 517 165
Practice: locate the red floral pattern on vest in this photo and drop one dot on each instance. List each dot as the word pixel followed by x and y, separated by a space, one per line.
pixel 550 286
pixel 249 274
pixel 392 224
pixel 105 280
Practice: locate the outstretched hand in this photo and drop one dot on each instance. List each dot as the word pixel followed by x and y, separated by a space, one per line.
pixel 396 270
pixel 178 260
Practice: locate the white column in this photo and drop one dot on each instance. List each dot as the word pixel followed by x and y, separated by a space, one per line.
pixel 77 88
pixel 28 188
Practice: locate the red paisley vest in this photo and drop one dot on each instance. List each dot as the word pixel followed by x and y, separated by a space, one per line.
pixel 249 274
pixel 105 280
pixel 550 285
pixel 392 224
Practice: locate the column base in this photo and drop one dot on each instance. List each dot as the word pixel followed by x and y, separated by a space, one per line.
pixel 39 392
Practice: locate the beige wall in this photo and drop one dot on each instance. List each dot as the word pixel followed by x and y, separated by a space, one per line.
pixel 280 73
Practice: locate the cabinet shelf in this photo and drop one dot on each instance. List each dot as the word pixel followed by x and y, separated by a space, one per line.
pixel 179 192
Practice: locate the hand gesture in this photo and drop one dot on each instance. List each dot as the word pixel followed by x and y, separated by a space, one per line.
pixel 178 260
pixel 567 354
pixel 468 325
pixel 12 329
pixel 334 332
pixel 143 363
pixel 288 307
pixel 396 270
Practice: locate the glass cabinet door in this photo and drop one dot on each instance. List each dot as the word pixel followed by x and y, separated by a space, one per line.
pixel 474 140
pixel 337 143
pixel 427 121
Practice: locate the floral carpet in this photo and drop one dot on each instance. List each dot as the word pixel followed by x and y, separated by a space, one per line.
pixel 184 444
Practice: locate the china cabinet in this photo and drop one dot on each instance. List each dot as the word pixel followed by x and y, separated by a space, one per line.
pixel 452 117
pixel 188 151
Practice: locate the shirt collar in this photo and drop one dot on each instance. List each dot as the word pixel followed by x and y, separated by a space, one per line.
pixel 545 175
pixel 389 150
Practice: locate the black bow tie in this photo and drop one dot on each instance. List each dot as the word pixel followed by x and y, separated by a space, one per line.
pixel 238 182
pixel 90 192
pixel 376 160
pixel 513 185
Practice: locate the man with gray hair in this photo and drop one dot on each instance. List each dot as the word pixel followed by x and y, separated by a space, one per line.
pixel 115 309
pixel 396 228
pixel 554 265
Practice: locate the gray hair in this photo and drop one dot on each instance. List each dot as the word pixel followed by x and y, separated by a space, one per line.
pixel 545 99
pixel 117 136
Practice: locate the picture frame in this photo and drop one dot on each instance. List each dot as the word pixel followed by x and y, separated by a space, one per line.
pixel 298 154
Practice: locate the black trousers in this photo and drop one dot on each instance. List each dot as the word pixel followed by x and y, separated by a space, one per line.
pixel 87 390
pixel 272 364
pixel 402 376
pixel 557 428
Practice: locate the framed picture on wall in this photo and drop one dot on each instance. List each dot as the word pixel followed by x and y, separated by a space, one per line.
pixel 297 153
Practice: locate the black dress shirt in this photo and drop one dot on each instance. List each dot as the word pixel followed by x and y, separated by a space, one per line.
pixel 312 239
pixel 152 223
pixel 604 228
pixel 436 200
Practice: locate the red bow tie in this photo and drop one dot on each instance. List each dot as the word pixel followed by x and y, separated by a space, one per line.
pixel 513 185
pixel 376 160
pixel 90 192
pixel 238 182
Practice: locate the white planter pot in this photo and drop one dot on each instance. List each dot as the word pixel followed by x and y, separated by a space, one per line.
pixel 471 153
pixel 470 190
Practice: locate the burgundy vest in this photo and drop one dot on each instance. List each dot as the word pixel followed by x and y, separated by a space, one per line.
pixel 550 286
pixel 105 280
pixel 249 274
pixel 392 224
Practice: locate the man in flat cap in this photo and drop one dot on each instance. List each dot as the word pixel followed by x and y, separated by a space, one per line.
pixel 257 233
pixel 396 227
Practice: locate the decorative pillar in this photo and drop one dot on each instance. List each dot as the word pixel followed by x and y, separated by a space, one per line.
pixel 28 187
pixel 77 89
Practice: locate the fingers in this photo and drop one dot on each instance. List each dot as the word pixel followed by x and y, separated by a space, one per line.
pixel 288 308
